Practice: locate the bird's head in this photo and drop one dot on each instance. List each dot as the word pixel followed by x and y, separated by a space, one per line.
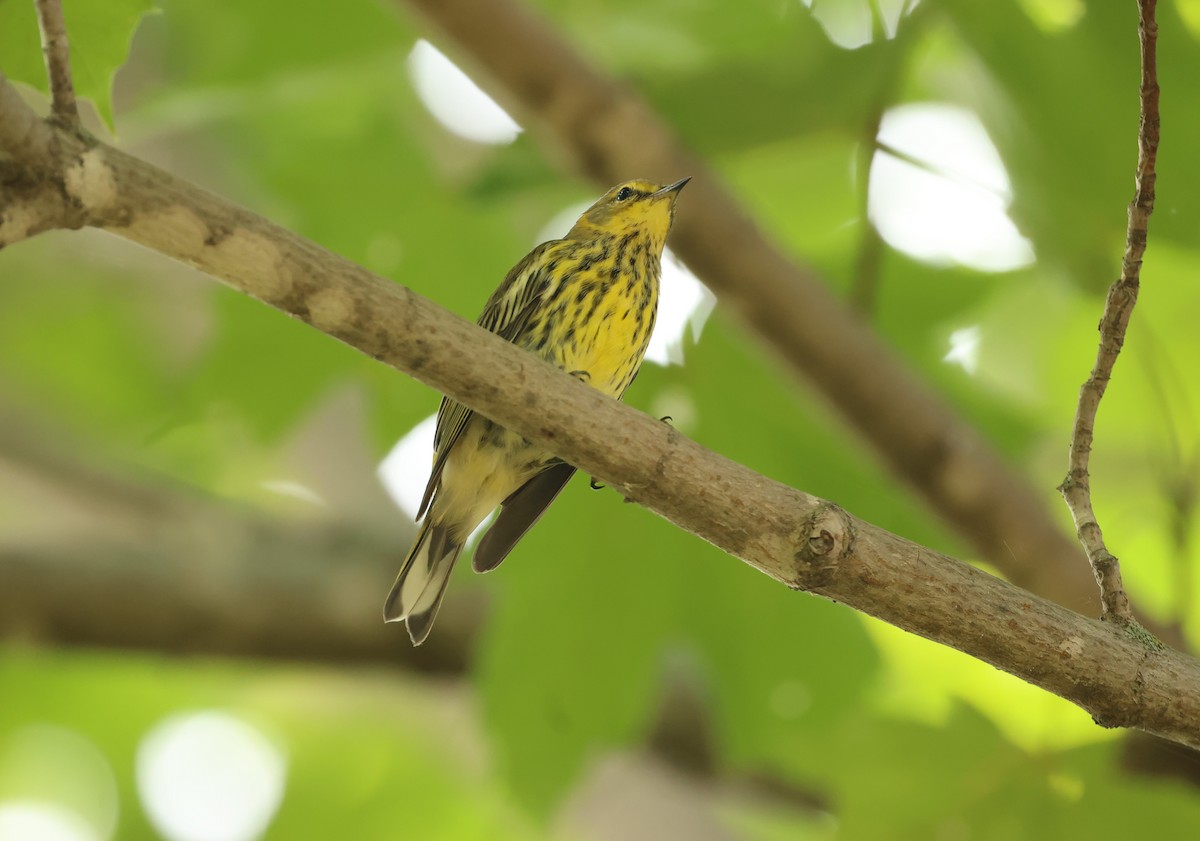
pixel 631 207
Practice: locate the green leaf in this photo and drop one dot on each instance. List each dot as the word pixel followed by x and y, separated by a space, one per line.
pixel 369 754
pixel 94 355
pixel 569 664
pixel 99 33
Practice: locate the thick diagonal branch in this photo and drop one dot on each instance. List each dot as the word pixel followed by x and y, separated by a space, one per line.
pixel 612 134
pixel 1118 307
pixel 803 542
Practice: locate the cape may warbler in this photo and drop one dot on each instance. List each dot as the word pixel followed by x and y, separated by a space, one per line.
pixel 585 303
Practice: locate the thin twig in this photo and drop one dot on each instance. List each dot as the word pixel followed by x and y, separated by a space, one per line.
pixel 1182 499
pixel 58 61
pixel 1122 295
pixel 868 261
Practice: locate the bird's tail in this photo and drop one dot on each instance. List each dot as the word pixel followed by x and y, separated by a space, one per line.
pixel 419 587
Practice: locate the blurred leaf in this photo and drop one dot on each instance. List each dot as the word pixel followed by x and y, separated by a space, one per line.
pixel 926 682
pixel 1068 137
pixel 89 355
pixel 268 39
pixel 568 666
pixel 311 119
pixel 779 181
pixel 99 33
pixel 360 753
pixel 267 366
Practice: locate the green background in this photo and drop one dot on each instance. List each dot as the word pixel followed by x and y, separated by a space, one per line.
pixel 309 118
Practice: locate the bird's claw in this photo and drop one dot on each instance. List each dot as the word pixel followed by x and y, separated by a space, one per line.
pixel 596 485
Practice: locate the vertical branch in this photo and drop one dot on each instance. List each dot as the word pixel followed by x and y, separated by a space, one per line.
pixel 1122 295
pixel 865 285
pixel 864 288
pixel 1182 496
pixel 58 61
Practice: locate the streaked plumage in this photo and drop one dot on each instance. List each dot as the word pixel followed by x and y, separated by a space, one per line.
pixel 586 304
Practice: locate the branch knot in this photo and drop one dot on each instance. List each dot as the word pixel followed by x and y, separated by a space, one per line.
pixel 826 537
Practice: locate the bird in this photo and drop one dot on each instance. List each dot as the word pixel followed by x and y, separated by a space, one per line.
pixel 586 304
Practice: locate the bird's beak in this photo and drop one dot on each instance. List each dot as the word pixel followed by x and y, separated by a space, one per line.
pixel 671 190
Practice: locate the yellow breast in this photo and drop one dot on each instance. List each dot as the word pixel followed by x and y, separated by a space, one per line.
pixel 596 314
pixel 612 342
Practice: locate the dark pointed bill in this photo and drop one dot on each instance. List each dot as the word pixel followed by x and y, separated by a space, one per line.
pixel 673 188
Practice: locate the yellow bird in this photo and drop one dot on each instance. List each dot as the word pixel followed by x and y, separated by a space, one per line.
pixel 586 303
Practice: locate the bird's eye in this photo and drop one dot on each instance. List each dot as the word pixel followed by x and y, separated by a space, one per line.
pixel 624 193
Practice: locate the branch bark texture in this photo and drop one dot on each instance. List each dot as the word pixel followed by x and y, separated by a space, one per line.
pixel 1118 307
pixel 803 542
pixel 57 54
pixel 611 134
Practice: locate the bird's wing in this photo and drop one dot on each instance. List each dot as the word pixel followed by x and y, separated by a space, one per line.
pixel 518 514
pixel 506 314
pixel 507 311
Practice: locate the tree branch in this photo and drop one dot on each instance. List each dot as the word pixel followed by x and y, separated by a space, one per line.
pixel 1118 307
pixel 868 261
pixel 58 61
pixel 612 134
pixel 801 541
pixel 161 567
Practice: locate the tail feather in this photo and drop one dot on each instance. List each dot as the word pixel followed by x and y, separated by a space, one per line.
pixel 518 514
pixel 418 591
